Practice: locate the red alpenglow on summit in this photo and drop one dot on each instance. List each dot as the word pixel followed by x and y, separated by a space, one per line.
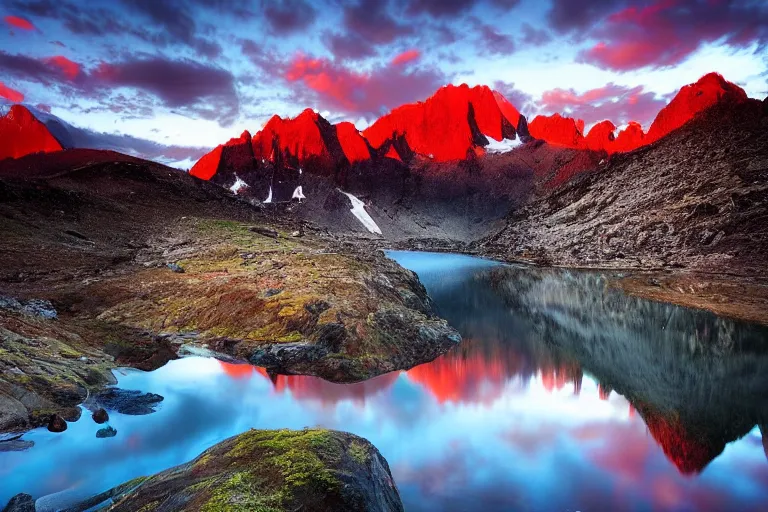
pixel 22 134
pixel 557 130
pixel 691 100
pixel 236 154
pixel 450 124
pixel 353 144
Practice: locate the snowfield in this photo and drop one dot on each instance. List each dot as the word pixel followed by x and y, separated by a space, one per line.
pixel 358 210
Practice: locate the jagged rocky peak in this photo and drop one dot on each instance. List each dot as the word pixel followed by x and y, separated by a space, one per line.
pixel 558 130
pixel 21 134
pixel 692 99
pixel 600 135
pixel 451 124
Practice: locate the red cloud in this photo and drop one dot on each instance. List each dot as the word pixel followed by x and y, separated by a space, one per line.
pixel 18 22
pixel 338 88
pixel 10 94
pixel 615 102
pixel 69 68
pixel 405 57
pixel 665 32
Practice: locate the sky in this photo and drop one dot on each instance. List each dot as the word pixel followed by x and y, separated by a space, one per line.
pixel 190 74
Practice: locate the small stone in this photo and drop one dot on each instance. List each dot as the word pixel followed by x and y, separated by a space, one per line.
pixel 296 234
pixel 100 416
pixel 57 424
pixel 175 267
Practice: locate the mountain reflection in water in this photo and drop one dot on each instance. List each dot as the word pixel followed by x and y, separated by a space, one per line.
pixel 564 395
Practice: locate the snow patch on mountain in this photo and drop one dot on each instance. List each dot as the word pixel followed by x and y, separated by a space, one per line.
pixel 298 194
pixel 239 184
pixel 503 146
pixel 269 197
pixel 358 210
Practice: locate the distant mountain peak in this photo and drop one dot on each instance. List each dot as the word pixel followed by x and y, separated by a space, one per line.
pixel 21 134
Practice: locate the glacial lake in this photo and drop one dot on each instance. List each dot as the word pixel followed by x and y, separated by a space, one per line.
pixel 565 395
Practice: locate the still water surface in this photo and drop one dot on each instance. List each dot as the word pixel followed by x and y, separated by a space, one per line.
pixel 565 395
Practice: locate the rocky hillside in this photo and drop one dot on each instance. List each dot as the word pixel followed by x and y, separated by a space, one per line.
pixel 695 199
pixel 22 134
pixel 142 261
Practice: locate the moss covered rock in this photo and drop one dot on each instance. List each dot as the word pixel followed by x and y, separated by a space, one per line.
pixel 271 471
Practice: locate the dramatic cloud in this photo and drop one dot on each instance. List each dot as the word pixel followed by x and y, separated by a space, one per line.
pixel 289 15
pixel 445 8
pixel 10 94
pixel 535 37
pixel 348 46
pixel 206 90
pixel 69 68
pixel 492 40
pixel 567 15
pixel 659 33
pixel 35 70
pixel 405 57
pixel 372 93
pixel 17 22
pixel 616 103
pixel 372 20
pixel 522 101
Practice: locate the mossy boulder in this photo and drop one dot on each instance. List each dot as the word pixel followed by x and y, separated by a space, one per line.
pixel 271 471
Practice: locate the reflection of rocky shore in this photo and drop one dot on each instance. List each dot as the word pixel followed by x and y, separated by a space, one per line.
pixel 697 380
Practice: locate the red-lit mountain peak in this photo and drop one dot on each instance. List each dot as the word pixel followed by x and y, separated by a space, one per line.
pixel 302 137
pixel 691 100
pixel 449 124
pixel 558 130
pixel 600 136
pixel 235 154
pixel 352 143
pixel 22 134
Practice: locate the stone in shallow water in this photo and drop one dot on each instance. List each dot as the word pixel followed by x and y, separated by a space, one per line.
pixel 128 401
pixel 106 432
pixel 100 416
pixel 57 424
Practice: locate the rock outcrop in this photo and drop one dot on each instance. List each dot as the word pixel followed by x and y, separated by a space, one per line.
pixel 275 470
pixel 22 134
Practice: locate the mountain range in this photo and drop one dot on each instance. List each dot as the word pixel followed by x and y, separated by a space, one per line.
pixel 452 167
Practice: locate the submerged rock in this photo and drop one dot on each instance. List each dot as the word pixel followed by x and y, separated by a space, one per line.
pixel 20 503
pixel 57 424
pixel 274 470
pixel 128 401
pixel 106 432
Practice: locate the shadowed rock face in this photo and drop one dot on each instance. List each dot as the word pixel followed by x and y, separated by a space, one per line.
pixel 695 199
pixel 698 381
pixel 22 134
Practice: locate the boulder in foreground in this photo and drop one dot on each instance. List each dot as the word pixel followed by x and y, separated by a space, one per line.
pixel 272 470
